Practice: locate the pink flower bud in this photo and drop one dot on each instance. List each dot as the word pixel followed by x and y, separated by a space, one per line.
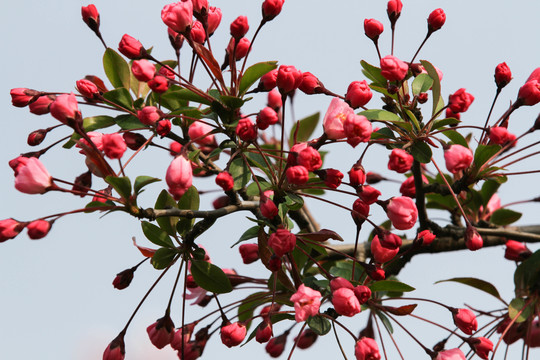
pixel 274 99
pixel 530 92
pixel 233 334
pixel 309 158
pixel 422 98
pixel 197 33
pixel 9 228
pixel 481 346
pixel 389 240
pixel 373 28
pixel 393 69
pixel 450 114
pixel 149 115
pixel 357 129
pixel 239 27
pixel 65 108
pixel 366 348
pixel 368 194
pixel 266 117
pixel 131 48
pixel 268 208
pixel 116 350
pixel 288 79
pixel 282 241
pixel 362 293
pixel 159 84
pixel 163 127
pixel 214 19
pixel 516 251
pixel 221 201
pixel 241 48
pixel 123 279
pixel 458 158
pixel 306 303
pixel 473 240
pixel 436 20
pixel 42 105
pixel 143 70
pixel 408 188
pixel 426 236
pixel 249 253
pixel 465 320
pixel 402 212
pixel 36 137
pixel 500 135
pixel 400 161
pixel 310 84
pixel 87 88
pixel 114 145
pixel 380 253
pixel 306 339
pixel 90 16
pixel 225 181
pixel 357 176
pixel 264 331
pixel 199 133
pixel 358 94
pixel 271 9
pixel 182 336
pixel 276 345
pixel 503 75
pixel 179 177
pixel 246 130
pixel 452 354
pixel 33 177
pixel 335 117
pixel 178 16
pixel 297 175
pixel 339 282
pixel 161 332
pixel 268 81
pixel 331 177
pixel 360 211
pixel 460 101
pixel 345 302
pixel 38 229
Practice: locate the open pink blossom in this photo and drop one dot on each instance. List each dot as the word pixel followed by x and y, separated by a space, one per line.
pixel 335 117
pixel 33 177
pixel 306 303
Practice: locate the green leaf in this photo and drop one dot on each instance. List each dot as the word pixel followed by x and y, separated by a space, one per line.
pixel 128 122
pixel 254 73
pixel 186 95
pixel 232 102
pixel 122 185
pixel 210 277
pixel 516 305
pixel 421 84
pixel 381 115
pixel 479 284
pixel 483 153
pixel 440 123
pixel 240 173
pixel 250 233
pixel 436 87
pixel 97 122
pixel 116 69
pixel 189 201
pixel 142 181
pixel 320 325
pixel 293 201
pixel 504 217
pixel 167 223
pixel 373 73
pixel 421 152
pixel 387 324
pixel 456 137
pixel 306 126
pixel 120 97
pixel 156 235
pixel 489 188
pixel 391 285
pixel 527 275
pixel 383 133
pixel 163 257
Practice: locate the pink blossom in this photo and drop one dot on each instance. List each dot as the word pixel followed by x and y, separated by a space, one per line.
pixel 178 16
pixel 233 334
pixel 335 117
pixel 282 241
pixel 33 177
pixel 114 145
pixel 452 354
pixel 393 69
pixel 65 108
pixel 345 302
pixel 161 332
pixel 400 161
pixel 357 129
pixel 143 70
pixel 38 229
pixel 366 349
pixel 402 212
pixel 306 303
pixel 458 158
pixel 199 132
pixel 179 176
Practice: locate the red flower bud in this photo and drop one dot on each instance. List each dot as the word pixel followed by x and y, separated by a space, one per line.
pixel 426 236
pixel 460 101
pixel 393 69
pixel 221 201
pixel 32 177
pixel 42 105
pixel 163 127
pixel 9 228
pixel 149 115
pixel 530 93
pixel 264 331
pixel 297 175
pixel 282 241
pixel 357 129
pixel 271 9
pixel 266 117
pixel 306 339
pixel 38 229
pixel 345 302
pixel 366 348
pixel 473 240
pixel 310 84
pixel 268 208
pixel 20 97
pixel 360 211
pixel 249 253
pixel 357 176
pixel 225 181
pixel 65 108
pixel 389 240
pixel 380 253
pixel 274 264
pixel 233 334
pixel 116 350
pixel 114 145
pixel 288 79
pixel 368 194
pixel 458 158
pixel 87 89
pixel 143 70
pixel 123 279
pixel 161 332
pixel 239 27
pixel 276 345
pixel 131 48
pixel 481 346
pixel 503 75
pixel 274 99
pixel 393 10
pixel 268 81
pixel 246 130
pixel 373 28
pixel 422 98
pixel 242 48
pixel 500 135
pixel 363 293
pixel 402 212
pixel 331 177
pixel 408 188
pixel 197 33
pixel 178 16
pixel 179 176
pixel 133 140
pixel 516 251
pixel 465 320
pixel 36 137
pixel 90 16
pixel 436 20
pixel 159 84
pixel 214 19
pixel 358 94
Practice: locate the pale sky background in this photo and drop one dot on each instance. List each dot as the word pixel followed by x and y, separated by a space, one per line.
pixel 57 301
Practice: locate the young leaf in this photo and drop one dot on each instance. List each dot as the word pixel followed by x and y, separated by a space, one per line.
pixel 189 201
pixel 456 137
pixel 250 233
pixel 391 285
pixel 483 153
pixel 122 185
pixel 240 173
pixel 421 84
pixel 504 217
pixel 128 122
pixel 254 73
pixel 210 277
pixel 167 223
pixel 382 115
pixel 373 73
pixel 517 305
pixel 97 122
pixel 421 152
pixel 120 97
pixel 306 126
pixel 116 69
pixel 475 283
pixel 527 275
pixel 402 310
pixel 320 325
pixel 156 235
pixel 436 87
pixel 142 181
pixel 163 257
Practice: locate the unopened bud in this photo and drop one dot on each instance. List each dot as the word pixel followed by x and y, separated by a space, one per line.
pixel 36 137
pixel 422 98
pixel 133 140
pixel 123 279
pixel 82 183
